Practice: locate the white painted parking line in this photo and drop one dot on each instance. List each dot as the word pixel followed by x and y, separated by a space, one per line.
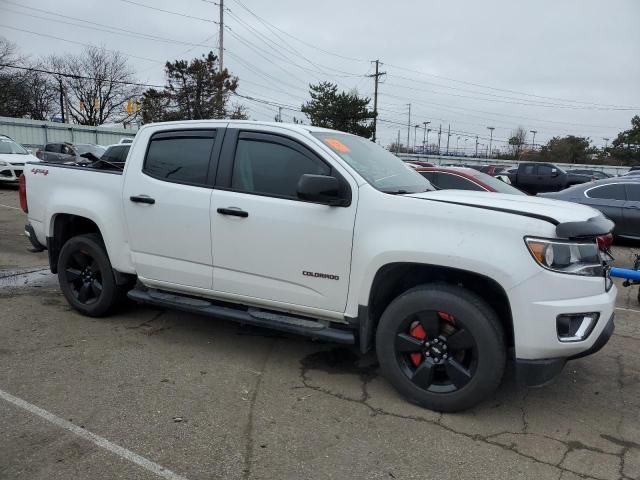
pixel 628 309
pixel 8 206
pixel 93 438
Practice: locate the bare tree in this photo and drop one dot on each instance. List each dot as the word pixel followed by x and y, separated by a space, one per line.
pixel 97 84
pixel 517 140
pixel 42 93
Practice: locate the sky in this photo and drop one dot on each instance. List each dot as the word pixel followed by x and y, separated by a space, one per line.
pixel 559 67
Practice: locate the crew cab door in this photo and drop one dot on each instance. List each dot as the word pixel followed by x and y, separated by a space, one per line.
pixel 268 245
pixel 526 177
pixel 167 196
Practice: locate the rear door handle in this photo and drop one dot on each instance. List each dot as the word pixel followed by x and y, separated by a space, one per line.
pixel 235 212
pixel 142 199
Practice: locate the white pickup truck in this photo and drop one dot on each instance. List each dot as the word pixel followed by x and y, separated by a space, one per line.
pixel 326 234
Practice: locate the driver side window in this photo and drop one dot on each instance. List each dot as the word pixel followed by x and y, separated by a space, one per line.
pixel 265 165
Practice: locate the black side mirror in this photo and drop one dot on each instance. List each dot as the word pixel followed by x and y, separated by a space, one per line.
pixel 554 172
pixel 321 189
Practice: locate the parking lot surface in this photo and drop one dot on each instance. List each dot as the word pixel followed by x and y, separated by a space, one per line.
pixel 152 394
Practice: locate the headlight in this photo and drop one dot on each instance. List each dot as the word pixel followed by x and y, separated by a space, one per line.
pixel 573 257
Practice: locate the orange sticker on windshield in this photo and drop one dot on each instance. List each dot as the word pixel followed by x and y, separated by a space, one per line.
pixel 337 145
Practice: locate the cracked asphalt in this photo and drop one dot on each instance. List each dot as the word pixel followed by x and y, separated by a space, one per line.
pixel 208 399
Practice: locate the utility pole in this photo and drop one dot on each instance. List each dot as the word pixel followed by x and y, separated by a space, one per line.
pixel 398 143
pixel 428 130
pixel 439 135
pixel 476 146
pixel 221 47
pixel 533 142
pixel 61 99
pixel 376 76
pixel 415 134
pixel 409 129
pixel 424 135
pixel 490 140
pixel 448 136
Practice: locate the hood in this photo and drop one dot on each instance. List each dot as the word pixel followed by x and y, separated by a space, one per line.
pixel 13 158
pixel 582 220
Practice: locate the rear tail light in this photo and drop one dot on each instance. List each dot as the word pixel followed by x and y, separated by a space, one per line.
pixel 22 189
pixel 605 242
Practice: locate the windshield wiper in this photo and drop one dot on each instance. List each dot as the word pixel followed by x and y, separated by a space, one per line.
pixel 395 192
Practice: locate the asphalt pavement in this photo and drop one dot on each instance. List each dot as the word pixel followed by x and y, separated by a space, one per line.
pixel 150 393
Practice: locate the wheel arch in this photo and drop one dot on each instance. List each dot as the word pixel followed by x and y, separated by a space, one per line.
pixel 63 227
pixel 393 279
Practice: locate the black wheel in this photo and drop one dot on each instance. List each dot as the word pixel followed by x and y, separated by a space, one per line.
pixel 86 277
pixel 442 347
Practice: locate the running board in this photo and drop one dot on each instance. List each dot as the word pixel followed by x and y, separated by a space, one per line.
pixel 255 317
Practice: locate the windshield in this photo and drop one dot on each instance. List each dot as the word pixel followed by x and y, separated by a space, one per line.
pixel 83 148
pixel 379 167
pixel 498 185
pixel 9 146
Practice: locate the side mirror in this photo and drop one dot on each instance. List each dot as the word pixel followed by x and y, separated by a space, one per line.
pixel 321 189
pixel 554 172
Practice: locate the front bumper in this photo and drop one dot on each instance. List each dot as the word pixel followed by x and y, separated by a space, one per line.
pixel 535 373
pixel 10 173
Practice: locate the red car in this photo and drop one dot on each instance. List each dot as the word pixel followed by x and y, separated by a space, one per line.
pixel 444 178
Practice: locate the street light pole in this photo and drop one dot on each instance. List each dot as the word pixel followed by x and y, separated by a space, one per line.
pixel 415 135
pixel 533 142
pixel 424 135
pixel 457 141
pixel 606 142
pixel 490 141
pixel 476 146
pixel 428 130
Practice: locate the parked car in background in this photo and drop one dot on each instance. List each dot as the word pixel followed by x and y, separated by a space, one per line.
pixel 68 152
pixel 596 174
pixel 114 157
pixel 12 159
pixel 618 198
pixel 632 173
pixel 494 170
pixel 460 178
pixel 535 177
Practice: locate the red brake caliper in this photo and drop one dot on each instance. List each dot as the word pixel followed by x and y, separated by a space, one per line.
pixel 417 332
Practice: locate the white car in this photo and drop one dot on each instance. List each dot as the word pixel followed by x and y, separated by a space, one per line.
pixel 326 234
pixel 12 159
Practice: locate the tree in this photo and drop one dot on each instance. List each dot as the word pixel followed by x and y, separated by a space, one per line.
pixel 626 146
pixel 517 141
pixel 195 90
pixel 342 111
pixel 98 84
pixel 569 149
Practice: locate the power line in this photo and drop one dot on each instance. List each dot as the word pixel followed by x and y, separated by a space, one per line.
pixel 169 11
pixel 107 28
pixel 77 43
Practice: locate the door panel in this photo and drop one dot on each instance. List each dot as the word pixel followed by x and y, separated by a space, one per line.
pixel 631 211
pixel 610 200
pixel 283 250
pixel 167 209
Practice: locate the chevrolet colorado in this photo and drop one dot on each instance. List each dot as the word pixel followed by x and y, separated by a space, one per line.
pixel 326 234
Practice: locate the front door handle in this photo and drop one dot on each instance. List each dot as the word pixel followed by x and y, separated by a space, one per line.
pixel 235 212
pixel 142 199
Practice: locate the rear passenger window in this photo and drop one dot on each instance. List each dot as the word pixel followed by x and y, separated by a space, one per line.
pixel 181 157
pixel 271 167
pixel 613 191
pixel 447 181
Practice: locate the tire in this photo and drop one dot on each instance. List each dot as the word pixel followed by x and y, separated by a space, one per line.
pixel 86 277
pixel 442 347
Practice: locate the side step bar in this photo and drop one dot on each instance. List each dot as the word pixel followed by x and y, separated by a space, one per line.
pixel 256 317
